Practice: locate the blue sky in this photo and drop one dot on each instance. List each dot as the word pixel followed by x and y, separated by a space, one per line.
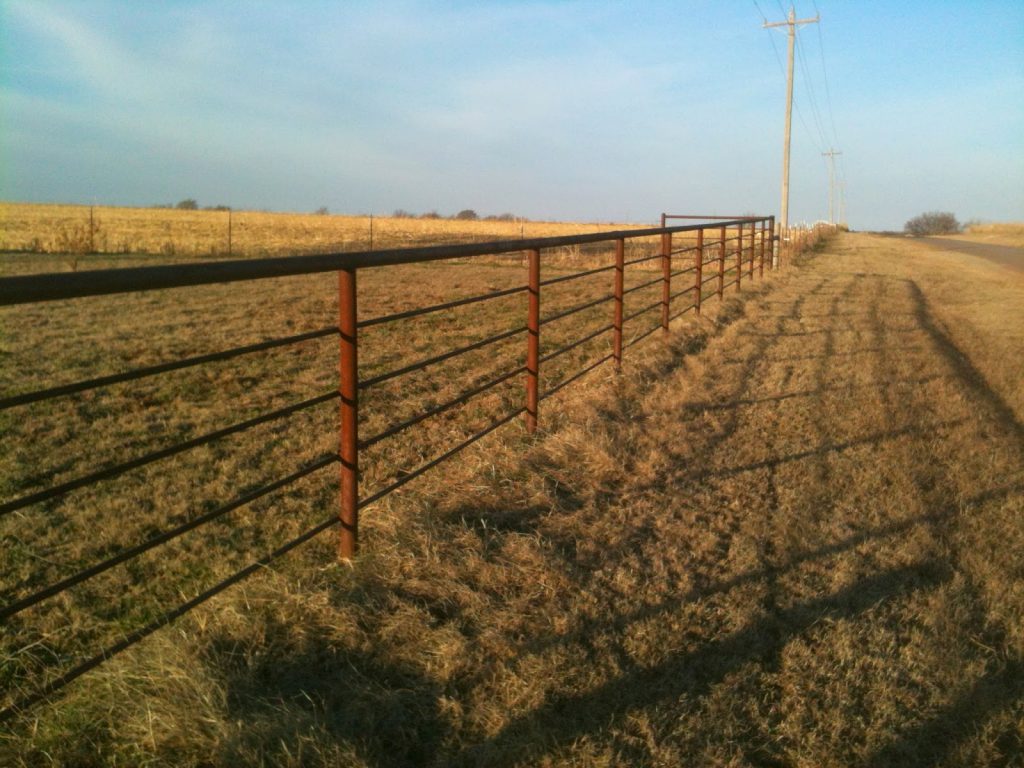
pixel 597 111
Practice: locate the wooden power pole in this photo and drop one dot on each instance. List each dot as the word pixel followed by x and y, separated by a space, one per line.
pixel 792 22
pixel 831 155
pixel 842 203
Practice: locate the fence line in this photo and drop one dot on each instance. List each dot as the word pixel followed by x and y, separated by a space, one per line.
pixel 754 239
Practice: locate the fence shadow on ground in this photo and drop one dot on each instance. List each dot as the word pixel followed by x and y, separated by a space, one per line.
pixel 396 717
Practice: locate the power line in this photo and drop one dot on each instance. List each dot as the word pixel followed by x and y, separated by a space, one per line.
pixel 782 70
pixel 809 88
pixel 791 23
pixel 831 155
pixel 824 72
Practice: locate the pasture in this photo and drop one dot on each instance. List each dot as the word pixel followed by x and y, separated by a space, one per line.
pixel 170 234
pixel 787 534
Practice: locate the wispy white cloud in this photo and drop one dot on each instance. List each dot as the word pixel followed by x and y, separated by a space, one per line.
pixel 544 107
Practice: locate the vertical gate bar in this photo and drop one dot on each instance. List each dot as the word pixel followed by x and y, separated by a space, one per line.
pixel 753 250
pixel 533 340
pixel 753 238
pixel 739 259
pixel 698 264
pixel 771 243
pixel 721 267
pixel 666 273
pixel 760 265
pixel 348 387
pixel 620 280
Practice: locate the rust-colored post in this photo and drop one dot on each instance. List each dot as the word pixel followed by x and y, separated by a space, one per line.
pixel 771 243
pixel 620 281
pixel 666 274
pixel 698 264
pixel 739 259
pixel 533 339
pixel 760 266
pixel 753 238
pixel 348 388
pixel 721 267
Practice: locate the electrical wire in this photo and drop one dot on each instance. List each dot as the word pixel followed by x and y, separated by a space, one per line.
pixel 811 99
pixel 782 69
pixel 824 72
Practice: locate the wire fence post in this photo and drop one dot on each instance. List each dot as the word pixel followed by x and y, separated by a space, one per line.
pixel 721 266
pixel 349 390
pixel 739 259
pixel 620 280
pixel 698 264
pixel 533 340
pixel 666 273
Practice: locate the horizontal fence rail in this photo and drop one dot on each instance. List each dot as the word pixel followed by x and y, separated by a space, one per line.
pixel 686 258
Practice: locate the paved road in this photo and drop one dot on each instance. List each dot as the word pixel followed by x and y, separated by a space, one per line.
pixel 1007 255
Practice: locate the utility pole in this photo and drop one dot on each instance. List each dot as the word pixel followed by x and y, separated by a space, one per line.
pixel 831 155
pixel 792 22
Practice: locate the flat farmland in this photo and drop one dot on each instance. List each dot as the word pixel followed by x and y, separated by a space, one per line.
pixel 788 533
pixel 173 235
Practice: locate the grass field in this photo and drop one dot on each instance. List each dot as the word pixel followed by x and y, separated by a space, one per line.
pixel 173 234
pixel 789 535
pixel 995 234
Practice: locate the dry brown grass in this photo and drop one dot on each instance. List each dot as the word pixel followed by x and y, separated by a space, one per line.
pixel 176 234
pixel 788 535
pixel 996 234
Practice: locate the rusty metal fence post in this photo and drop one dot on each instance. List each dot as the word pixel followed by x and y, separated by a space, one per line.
pixel 774 264
pixel 348 386
pixel 753 239
pixel 698 265
pixel 620 281
pixel 760 266
pixel 533 340
pixel 739 257
pixel 666 272
pixel 721 267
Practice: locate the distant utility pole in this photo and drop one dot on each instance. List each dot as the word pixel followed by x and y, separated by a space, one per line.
pixel 792 22
pixel 831 155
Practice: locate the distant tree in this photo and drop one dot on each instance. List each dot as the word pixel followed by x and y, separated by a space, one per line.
pixel 217 208
pixel 322 211
pixel 430 215
pixel 188 204
pixel 401 213
pixel 505 217
pixel 932 223
pixel 466 215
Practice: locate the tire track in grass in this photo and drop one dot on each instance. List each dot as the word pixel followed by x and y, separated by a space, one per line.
pixel 982 641
pixel 727 519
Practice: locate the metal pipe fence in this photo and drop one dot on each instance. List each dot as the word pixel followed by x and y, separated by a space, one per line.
pixel 714 240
